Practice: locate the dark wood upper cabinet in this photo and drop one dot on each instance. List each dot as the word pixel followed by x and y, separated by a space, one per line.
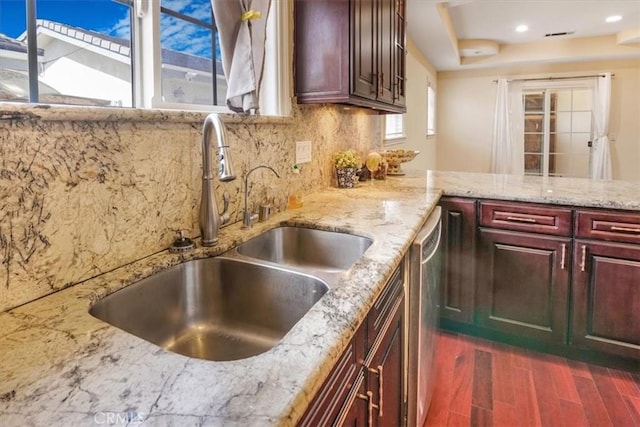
pixel 351 52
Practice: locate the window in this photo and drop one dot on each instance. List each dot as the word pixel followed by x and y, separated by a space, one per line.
pixel 394 129
pixel 83 52
pixel 431 110
pixel 557 131
pixel 148 54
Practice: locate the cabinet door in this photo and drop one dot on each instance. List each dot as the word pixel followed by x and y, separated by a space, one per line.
pixel 523 285
pixel 385 372
pixel 386 49
pixel 606 298
pixel 365 48
pixel 322 47
pixel 400 54
pixel 338 387
pixel 355 412
pixel 458 262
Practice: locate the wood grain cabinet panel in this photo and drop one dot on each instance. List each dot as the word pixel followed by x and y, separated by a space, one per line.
pixel 351 52
pixel 366 386
pixel 523 285
pixel 527 217
pixel 606 298
pixel 457 281
pixel 609 226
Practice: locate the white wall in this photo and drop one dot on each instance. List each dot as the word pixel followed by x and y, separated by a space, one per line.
pixel 466 101
pixel 419 73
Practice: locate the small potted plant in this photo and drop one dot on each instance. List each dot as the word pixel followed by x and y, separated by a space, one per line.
pixel 346 165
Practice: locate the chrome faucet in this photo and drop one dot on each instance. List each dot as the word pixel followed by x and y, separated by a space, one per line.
pixel 210 219
pixel 247 218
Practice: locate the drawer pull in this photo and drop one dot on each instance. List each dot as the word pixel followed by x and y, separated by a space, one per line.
pixel 563 256
pixel 625 229
pixel 521 219
pixel 370 405
pixel 379 373
pixel 583 262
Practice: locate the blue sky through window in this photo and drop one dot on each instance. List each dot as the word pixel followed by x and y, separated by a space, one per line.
pixel 112 18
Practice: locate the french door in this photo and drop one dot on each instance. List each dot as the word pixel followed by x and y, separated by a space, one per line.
pixel 557 131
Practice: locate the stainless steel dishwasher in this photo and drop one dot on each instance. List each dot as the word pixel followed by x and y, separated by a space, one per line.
pixel 423 306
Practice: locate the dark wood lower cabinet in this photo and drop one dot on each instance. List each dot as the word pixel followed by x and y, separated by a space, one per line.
pixel 556 278
pixel 385 373
pixel 606 298
pixel 355 411
pixel 523 285
pixel 366 386
pixel 457 281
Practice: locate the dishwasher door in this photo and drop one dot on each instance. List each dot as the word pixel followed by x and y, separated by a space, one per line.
pixel 424 298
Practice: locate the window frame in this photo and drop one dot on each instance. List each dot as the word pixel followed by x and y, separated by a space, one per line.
pixel 146 63
pixel 394 138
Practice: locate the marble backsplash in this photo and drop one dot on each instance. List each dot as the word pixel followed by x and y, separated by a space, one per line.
pixel 84 191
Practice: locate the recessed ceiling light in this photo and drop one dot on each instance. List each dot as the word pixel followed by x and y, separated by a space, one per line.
pixel 613 18
pixel 522 28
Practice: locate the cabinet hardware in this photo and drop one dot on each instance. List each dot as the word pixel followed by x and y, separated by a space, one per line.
pixel 521 219
pixel 379 373
pixel 370 405
pixel 625 229
pixel 563 256
pixel 381 85
pixel 584 258
pixel 375 80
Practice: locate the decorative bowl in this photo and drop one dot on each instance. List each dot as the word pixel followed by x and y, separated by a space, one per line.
pixel 395 157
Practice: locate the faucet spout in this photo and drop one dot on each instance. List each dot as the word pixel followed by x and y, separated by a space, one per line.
pixel 210 219
pixel 246 216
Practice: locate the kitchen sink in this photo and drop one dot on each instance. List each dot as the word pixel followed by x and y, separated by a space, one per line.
pixel 326 251
pixel 214 308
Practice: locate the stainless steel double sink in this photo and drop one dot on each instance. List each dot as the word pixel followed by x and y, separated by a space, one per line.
pixel 239 304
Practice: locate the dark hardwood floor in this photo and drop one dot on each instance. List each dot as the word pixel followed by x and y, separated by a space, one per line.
pixel 483 383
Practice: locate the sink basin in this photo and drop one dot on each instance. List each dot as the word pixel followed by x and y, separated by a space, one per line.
pixel 213 308
pixel 305 247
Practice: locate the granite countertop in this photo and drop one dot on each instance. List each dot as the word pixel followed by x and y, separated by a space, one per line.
pixel 62 366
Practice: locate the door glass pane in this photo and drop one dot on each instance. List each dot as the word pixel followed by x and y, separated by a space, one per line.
pixel 533 164
pixel 580 143
pixel 534 123
pixel 582 100
pixel 560 144
pixel 533 143
pixel 581 121
pixel 562 122
pixel 534 102
pixel 83 51
pixel 562 100
pixel 560 165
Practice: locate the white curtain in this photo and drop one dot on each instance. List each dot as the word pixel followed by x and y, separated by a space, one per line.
pixel 507 150
pixel 601 156
pixel 242 31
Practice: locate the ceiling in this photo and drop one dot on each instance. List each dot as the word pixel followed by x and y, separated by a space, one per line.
pixel 467 34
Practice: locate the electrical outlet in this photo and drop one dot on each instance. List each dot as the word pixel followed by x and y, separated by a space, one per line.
pixel 303 152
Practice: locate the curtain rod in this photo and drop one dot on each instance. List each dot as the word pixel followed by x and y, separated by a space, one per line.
pixel 556 78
